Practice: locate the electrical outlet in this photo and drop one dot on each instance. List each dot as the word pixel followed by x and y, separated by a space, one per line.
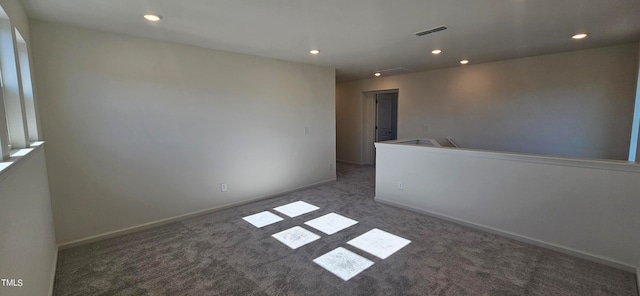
pixel 400 185
pixel 223 187
pixel 425 127
pixel 331 166
pixel 306 130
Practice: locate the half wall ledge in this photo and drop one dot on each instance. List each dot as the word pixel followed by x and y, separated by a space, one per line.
pixel 584 207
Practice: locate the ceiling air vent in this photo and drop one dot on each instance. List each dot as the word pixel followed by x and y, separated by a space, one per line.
pixel 432 30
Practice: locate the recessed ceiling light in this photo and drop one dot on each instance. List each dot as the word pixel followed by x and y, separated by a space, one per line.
pixel 464 62
pixel 152 17
pixel 436 51
pixel 314 51
pixel 580 36
pixel 377 74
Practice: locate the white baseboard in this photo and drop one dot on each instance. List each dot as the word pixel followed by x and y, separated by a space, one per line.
pixel 53 272
pixel 160 222
pixel 566 250
pixel 638 277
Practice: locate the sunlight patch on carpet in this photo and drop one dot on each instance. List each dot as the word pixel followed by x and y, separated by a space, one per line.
pixel 331 223
pixel 343 263
pixel 297 208
pixel 296 237
pixel 263 219
pixel 379 243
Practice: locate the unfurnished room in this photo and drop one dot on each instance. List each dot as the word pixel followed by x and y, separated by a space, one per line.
pixel 283 147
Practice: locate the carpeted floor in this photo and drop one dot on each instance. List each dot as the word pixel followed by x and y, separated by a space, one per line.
pixel 221 254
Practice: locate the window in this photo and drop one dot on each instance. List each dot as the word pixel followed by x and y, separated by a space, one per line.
pixel 5 143
pixel 33 127
pixel 19 127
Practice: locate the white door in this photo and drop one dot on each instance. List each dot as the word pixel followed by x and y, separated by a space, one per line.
pixel 386 116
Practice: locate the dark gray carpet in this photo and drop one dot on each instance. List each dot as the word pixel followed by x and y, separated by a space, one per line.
pixel 221 254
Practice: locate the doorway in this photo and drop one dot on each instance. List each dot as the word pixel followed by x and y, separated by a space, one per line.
pixel 386 117
pixel 380 121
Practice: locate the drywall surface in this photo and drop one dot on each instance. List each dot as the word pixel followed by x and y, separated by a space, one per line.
pixel 577 104
pixel 28 248
pixel 585 206
pixel 27 241
pixel 16 13
pixel 140 130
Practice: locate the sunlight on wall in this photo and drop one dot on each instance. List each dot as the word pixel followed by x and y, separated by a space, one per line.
pixel 635 128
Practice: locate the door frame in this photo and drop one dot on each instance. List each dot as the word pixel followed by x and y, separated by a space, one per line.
pixel 368 134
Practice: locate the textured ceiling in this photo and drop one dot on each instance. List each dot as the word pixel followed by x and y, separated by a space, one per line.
pixel 359 37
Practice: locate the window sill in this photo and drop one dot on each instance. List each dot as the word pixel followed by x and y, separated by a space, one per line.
pixel 17 157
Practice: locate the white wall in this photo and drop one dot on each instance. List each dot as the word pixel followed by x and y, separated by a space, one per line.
pixel 583 207
pixel 140 130
pixel 569 104
pixel 19 19
pixel 27 242
pixel 28 248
